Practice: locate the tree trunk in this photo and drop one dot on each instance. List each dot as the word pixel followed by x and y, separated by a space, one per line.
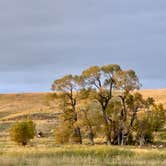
pixel 107 128
pixel 76 136
pixel 24 143
pixel 124 137
pixel 91 133
pixel 141 141
pixel 116 137
pixel 79 135
pixel 91 137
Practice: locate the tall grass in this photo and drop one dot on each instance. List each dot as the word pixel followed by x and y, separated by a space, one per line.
pixel 40 153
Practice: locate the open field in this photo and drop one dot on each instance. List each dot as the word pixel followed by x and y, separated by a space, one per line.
pixel 44 151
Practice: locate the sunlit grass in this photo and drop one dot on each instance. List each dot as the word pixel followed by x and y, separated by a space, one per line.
pixel 44 152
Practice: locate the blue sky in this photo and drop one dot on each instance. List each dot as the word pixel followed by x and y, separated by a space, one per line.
pixel 42 40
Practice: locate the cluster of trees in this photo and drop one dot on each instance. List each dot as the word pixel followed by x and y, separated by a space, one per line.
pixel 103 102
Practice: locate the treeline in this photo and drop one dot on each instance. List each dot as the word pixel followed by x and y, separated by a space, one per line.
pixel 104 102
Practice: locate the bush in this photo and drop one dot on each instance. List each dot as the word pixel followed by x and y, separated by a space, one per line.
pixel 62 133
pixel 22 132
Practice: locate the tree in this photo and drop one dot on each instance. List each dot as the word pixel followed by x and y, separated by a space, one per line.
pixel 158 116
pixel 101 99
pixel 144 128
pixel 114 114
pixel 22 132
pixel 102 80
pixel 150 118
pixel 135 103
pixel 67 89
pixel 63 132
pixel 90 117
pixel 126 82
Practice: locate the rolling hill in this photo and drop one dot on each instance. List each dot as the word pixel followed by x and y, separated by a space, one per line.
pixel 17 106
pixel 14 107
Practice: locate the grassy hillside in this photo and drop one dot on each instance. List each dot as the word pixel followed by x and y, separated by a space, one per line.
pixel 35 105
pixel 159 95
pixel 14 107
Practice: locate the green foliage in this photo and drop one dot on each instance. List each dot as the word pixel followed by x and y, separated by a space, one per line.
pixel 22 132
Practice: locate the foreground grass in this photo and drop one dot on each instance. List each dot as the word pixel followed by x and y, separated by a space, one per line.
pixel 49 154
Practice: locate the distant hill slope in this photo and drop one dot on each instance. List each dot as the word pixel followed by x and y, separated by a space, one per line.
pixel 17 106
pixel 34 105
pixel 158 94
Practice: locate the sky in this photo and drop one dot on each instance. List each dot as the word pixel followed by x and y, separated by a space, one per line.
pixel 42 40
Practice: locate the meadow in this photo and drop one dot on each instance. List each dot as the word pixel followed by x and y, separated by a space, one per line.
pixel 45 152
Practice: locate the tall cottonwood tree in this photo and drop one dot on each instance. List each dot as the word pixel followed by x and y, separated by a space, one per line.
pixel 68 89
pixel 90 119
pixel 89 115
pixel 102 80
pixel 150 119
pixel 126 82
pixel 134 103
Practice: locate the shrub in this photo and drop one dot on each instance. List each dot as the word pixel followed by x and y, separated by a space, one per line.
pixel 22 132
pixel 62 133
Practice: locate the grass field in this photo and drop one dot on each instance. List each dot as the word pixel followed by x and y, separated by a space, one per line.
pixel 44 151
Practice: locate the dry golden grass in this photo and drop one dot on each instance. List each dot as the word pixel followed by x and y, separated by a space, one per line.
pixel 44 152
pixel 36 106
pixel 19 106
pixel 159 95
pixel 15 107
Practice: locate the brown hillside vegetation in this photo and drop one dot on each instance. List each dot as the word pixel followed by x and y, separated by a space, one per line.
pixel 159 95
pixel 32 105
pixel 35 105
